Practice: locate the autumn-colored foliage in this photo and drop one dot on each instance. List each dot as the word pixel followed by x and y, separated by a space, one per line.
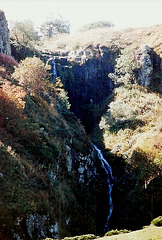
pixel 14 93
pixel 31 74
pixel 7 60
pixel 131 126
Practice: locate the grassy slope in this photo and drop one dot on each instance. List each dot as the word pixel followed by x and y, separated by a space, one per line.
pixel 109 37
pixel 33 137
pixel 150 233
pixel 142 132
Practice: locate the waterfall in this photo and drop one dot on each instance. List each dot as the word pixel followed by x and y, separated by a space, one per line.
pixel 51 61
pixel 54 72
pixel 110 179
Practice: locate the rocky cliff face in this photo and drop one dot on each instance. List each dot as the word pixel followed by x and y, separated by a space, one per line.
pixel 149 63
pixel 85 78
pixel 146 66
pixel 4 35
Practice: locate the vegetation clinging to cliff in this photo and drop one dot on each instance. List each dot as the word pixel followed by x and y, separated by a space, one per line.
pixel 35 127
pixel 131 126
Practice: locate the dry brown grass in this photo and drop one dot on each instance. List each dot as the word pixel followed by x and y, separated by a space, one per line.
pixel 134 37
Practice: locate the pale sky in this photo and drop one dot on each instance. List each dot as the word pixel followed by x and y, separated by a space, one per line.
pixel 123 14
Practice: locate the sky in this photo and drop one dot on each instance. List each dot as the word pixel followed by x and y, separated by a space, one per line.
pixel 124 14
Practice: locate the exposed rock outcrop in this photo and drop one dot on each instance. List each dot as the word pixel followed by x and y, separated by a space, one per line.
pixel 146 66
pixel 150 68
pixel 4 35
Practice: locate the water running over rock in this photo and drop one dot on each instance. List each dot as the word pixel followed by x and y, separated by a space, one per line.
pixel 51 61
pixel 110 179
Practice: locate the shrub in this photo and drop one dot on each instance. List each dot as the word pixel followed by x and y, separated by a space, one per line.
pixel 82 237
pixel 10 111
pixel 15 94
pixel 24 31
pixel 115 232
pixel 98 24
pixel 112 232
pixel 31 74
pixel 157 221
pixel 125 69
pixel 7 60
pixel 62 94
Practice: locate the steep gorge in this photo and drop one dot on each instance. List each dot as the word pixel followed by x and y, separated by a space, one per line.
pixel 64 186
pixel 85 75
pixel 52 183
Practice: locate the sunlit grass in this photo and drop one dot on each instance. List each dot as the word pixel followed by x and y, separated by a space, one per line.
pixel 108 37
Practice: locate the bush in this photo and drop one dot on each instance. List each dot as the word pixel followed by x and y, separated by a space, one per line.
pixel 82 237
pixel 157 221
pixel 7 60
pixel 115 232
pixel 98 24
pixel 112 232
pixel 24 31
pixel 49 239
pixel 31 74
pixel 63 98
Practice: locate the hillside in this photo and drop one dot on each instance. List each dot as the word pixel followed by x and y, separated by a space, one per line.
pixel 49 170
pixel 124 118
pixel 106 90
pixel 134 37
pixel 42 148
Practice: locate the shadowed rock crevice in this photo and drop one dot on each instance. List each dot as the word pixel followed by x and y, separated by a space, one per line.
pixel 84 75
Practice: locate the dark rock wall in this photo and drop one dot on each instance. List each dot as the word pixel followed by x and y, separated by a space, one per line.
pixel 85 78
pixel 4 35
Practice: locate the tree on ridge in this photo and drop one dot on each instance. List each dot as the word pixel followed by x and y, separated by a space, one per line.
pixel 55 26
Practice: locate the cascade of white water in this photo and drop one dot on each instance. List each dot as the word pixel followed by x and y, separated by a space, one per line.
pixel 54 71
pixel 109 178
pixel 51 61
